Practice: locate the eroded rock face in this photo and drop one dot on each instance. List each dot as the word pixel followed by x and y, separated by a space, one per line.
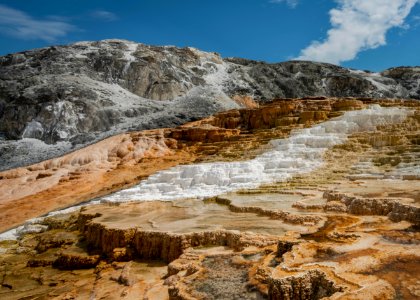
pixel 311 285
pixel 394 209
pixel 302 78
pixel 84 92
pixel 407 76
pixel 164 246
pixel 61 98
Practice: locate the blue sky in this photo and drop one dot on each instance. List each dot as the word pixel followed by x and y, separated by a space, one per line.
pixel 362 34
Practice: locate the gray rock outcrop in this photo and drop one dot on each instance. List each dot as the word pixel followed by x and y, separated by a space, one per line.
pixel 57 99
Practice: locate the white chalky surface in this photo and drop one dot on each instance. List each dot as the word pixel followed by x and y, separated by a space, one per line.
pixel 300 153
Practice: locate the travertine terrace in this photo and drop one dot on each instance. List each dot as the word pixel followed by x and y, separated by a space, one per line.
pixel 124 160
pixel 346 228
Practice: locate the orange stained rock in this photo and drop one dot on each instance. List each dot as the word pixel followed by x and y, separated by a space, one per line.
pixel 245 101
pixel 123 160
pixel 96 170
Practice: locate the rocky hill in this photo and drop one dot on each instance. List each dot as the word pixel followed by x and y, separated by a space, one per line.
pixel 57 99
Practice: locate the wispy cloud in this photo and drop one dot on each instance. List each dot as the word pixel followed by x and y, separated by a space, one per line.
pixel 104 15
pixel 20 25
pixel 358 25
pixel 416 21
pixel 290 3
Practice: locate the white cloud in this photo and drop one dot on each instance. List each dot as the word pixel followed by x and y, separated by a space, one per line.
pixel 104 15
pixel 18 24
pixel 416 21
pixel 290 3
pixel 358 25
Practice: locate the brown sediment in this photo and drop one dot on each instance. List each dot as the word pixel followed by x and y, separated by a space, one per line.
pixel 330 225
pixel 406 284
